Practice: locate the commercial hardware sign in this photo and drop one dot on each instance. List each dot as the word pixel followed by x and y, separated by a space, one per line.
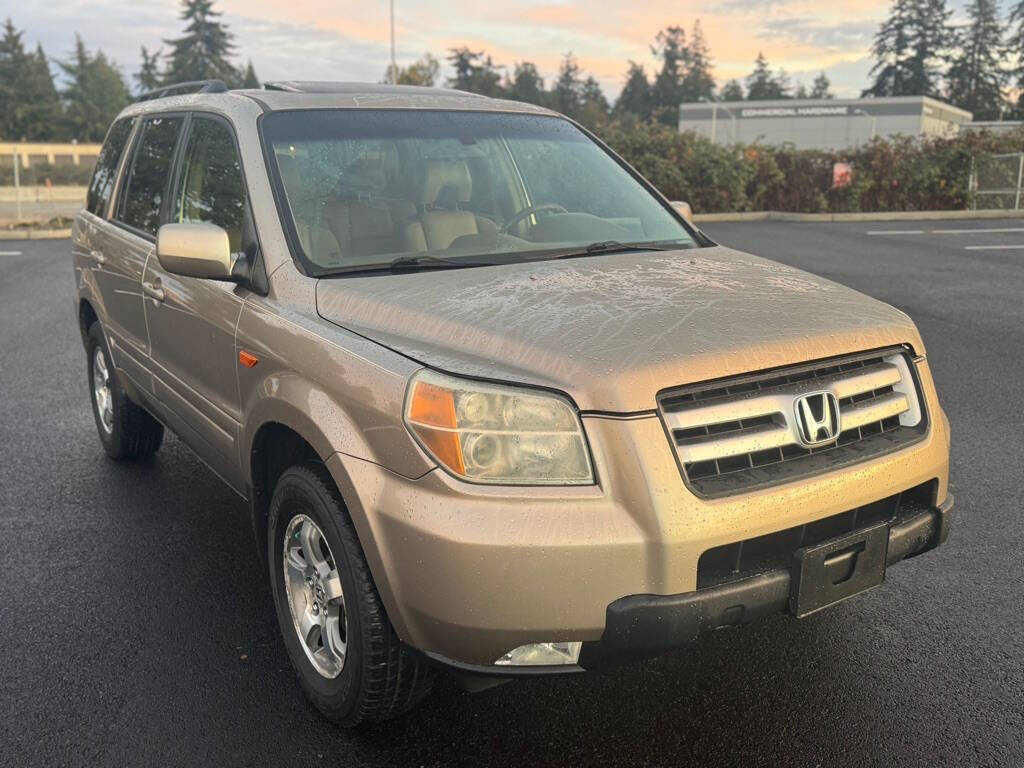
pixel 839 111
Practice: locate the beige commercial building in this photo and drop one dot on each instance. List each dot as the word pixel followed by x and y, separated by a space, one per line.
pixel 828 124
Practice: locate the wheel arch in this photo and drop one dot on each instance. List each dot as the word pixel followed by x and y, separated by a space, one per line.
pixel 278 434
pixel 87 315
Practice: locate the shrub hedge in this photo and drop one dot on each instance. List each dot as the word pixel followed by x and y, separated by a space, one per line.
pixel 899 174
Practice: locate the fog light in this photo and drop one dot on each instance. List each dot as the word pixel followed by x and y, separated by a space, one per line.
pixel 542 653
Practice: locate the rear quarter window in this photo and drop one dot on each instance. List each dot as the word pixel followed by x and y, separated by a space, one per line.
pixel 103 176
pixel 145 186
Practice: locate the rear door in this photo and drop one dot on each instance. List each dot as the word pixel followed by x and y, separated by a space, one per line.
pixel 116 280
pixel 127 245
pixel 192 328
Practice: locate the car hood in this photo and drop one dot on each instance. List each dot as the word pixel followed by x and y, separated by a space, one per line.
pixel 613 330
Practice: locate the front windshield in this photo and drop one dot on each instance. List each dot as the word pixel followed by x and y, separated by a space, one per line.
pixel 365 187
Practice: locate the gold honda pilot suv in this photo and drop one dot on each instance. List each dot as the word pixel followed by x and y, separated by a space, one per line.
pixel 496 406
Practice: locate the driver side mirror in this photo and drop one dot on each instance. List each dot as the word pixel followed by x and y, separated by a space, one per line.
pixel 194 250
pixel 683 209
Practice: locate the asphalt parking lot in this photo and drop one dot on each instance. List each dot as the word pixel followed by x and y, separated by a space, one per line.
pixel 136 627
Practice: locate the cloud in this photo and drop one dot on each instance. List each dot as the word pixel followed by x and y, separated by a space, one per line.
pixel 346 40
pixel 826 37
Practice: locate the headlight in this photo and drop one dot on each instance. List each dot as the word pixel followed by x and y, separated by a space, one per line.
pixel 488 433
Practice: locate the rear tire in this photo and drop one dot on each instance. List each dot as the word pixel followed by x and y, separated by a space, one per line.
pixel 127 431
pixel 378 678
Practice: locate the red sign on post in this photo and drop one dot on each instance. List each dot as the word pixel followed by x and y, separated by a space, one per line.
pixel 842 175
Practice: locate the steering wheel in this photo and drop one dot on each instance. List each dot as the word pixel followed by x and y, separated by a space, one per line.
pixel 529 211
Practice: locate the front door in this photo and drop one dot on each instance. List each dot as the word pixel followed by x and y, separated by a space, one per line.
pixel 192 321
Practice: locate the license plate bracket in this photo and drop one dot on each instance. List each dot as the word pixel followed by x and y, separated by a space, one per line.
pixel 828 573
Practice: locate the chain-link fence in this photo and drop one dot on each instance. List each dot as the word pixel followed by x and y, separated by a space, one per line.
pixel 996 181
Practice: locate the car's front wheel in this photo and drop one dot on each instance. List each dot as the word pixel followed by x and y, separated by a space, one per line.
pixel 127 431
pixel 348 658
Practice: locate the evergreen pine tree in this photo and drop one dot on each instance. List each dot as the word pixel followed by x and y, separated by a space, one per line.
pixel 95 93
pixel 474 72
pixel 29 105
pixel 666 93
pixel 594 106
pixel 910 48
pixel 249 79
pixel 202 52
pixel 526 84
pixel 763 84
pixel 932 37
pixel 43 116
pixel 635 98
pixel 976 77
pixel 568 87
pixel 732 91
pixel 148 77
pixel 697 84
pixel 820 88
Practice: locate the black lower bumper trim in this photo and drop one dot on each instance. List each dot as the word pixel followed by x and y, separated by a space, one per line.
pixel 640 626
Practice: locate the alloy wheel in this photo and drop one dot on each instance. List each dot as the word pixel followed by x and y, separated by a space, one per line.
pixel 315 596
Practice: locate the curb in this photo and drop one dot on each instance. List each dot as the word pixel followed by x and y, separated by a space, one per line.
pixel 875 216
pixel 35 234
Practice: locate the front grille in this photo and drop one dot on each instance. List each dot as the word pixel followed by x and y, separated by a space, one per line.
pixel 776 551
pixel 739 434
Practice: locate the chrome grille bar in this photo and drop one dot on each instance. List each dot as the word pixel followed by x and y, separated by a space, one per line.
pixel 743 432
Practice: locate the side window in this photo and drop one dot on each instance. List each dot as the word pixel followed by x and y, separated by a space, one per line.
pixel 212 189
pixel 106 167
pixel 146 183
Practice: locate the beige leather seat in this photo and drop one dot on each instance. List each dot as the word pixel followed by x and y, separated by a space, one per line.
pixel 444 186
pixel 363 220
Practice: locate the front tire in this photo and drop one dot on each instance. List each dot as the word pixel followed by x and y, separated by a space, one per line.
pixel 349 660
pixel 127 431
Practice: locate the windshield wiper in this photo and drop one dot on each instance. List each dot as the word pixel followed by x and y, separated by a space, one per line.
pixel 410 264
pixel 611 246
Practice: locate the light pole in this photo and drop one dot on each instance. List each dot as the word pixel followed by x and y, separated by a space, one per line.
pixel 714 118
pixel 874 120
pixel 394 67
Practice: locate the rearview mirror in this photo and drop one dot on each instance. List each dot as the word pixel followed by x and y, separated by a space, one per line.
pixel 683 209
pixel 194 250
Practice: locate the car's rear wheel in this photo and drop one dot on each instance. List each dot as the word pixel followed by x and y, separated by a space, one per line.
pixel 126 430
pixel 349 660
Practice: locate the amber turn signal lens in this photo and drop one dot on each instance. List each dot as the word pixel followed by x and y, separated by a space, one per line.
pixel 432 406
pixel 247 359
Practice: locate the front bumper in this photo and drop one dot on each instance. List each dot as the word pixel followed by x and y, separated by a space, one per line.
pixel 642 626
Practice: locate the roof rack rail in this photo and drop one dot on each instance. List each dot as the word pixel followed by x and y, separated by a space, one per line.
pixel 279 85
pixel 193 86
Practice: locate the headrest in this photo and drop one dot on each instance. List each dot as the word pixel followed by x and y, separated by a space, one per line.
pixel 445 177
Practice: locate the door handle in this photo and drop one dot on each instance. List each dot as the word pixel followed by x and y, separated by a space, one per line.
pixel 98 257
pixel 155 292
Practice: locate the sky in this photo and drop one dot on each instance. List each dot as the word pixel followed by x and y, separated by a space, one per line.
pixel 344 40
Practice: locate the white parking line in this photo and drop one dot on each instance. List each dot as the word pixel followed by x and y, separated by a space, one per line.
pixel 993 247
pixel 975 231
pixel 10 253
pixel 896 232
